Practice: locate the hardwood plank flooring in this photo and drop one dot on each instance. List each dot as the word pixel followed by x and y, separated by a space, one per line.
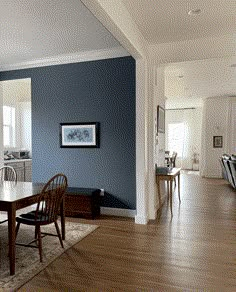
pixel 193 251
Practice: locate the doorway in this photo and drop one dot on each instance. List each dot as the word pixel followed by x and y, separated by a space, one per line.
pixel 16 126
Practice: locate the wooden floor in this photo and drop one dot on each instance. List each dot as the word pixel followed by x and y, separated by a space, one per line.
pixel 193 251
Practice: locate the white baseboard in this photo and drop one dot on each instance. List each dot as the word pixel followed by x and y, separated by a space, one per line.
pixel 141 220
pixel 212 176
pixel 118 212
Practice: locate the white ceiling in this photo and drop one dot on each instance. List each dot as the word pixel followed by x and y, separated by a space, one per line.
pixel 37 29
pixel 163 21
pixel 188 82
pixel 168 21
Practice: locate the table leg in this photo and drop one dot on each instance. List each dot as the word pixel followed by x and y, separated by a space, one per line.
pixel 159 191
pixel 171 189
pixel 168 189
pixel 62 214
pixel 12 238
pixel 179 186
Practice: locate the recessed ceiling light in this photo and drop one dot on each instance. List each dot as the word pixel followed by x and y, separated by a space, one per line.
pixel 194 11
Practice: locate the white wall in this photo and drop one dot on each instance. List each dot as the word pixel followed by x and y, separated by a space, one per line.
pixel 192 118
pixel 25 123
pixel 218 120
pixel 1 126
pixel 232 146
pixel 159 138
pixel 159 94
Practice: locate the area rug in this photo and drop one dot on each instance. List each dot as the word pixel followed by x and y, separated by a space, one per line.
pixel 27 259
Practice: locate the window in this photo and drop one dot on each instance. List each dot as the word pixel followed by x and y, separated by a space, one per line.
pixel 9 117
pixel 176 134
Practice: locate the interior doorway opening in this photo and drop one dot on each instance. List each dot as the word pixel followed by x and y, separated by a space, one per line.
pixel 16 129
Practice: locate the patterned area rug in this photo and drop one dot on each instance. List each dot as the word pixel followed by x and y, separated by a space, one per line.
pixel 27 259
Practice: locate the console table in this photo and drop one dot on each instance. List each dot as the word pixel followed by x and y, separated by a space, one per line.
pixel 169 175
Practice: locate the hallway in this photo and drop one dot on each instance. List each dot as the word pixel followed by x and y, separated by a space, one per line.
pixel 193 251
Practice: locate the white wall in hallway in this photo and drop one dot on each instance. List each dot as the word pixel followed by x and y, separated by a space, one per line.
pixel 218 120
pixel 159 138
pixel 233 127
pixel 159 99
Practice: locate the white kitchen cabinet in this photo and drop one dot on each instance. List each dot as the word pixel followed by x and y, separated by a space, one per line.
pixel 23 169
pixel 28 170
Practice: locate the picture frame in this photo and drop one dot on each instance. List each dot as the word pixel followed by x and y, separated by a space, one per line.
pixel 82 135
pixel 160 119
pixel 217 141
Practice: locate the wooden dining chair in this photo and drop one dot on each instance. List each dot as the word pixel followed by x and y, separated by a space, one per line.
pixel 47 210
pixel 167 158
pixel 173 158
pixel 7 173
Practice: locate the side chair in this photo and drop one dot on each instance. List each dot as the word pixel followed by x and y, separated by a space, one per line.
pixel 232 166
pixel 46 212
pixel 226 160
pixel 7 173
pixel 173 158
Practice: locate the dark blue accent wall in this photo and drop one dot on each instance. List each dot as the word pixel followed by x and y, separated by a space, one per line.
pixel 97 91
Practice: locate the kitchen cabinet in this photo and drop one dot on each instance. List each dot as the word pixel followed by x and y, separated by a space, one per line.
pixel 28 170
pixel 23 169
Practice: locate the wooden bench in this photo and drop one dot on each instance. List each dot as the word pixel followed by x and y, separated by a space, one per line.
pixel 82 202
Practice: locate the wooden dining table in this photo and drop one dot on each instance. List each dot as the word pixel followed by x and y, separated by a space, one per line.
pixel 15 196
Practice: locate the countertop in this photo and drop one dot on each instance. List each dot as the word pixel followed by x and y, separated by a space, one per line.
pixel 17 160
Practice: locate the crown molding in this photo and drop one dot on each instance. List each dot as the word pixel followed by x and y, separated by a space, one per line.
pixel 68 58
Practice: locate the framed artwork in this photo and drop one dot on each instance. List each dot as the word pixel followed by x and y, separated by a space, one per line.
pixel 160 119
pixel 217 141
pixel 79 135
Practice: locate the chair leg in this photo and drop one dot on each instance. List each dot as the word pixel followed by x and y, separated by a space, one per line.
pixel 3 221
pixel 58 233
pixel 39 242
pixel 17 229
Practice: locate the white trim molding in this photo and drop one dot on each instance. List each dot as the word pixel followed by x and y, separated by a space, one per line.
pixel 68 58
pixel 141 220
pixel 118 212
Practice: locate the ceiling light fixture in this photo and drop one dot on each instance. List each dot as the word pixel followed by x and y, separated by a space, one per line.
pixel 194 11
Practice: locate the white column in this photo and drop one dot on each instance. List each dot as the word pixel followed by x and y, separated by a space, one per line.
pixel 141 143
pixel 1 125
pixel 152 106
